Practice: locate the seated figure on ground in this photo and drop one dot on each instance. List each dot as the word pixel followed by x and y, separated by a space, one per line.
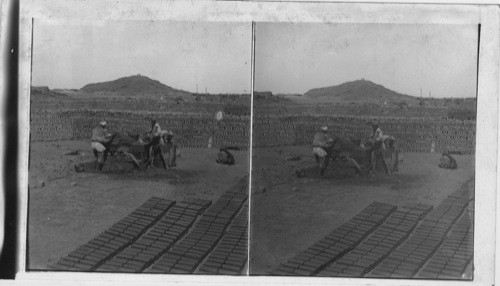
pixel 321 142
pixel 225 157
pixel 100 140
pixel 447 162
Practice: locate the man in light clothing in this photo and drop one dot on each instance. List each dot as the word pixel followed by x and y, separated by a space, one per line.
pixel 100 137
pixel 377 134
pixel 322 142
pixel 170 148
pixel 378 139
pixel 154 147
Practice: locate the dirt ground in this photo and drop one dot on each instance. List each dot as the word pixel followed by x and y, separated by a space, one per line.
pixel 67 209
pixel 288 213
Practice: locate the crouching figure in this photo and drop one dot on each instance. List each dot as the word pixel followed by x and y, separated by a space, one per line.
pixel 447 162
pixel 321 143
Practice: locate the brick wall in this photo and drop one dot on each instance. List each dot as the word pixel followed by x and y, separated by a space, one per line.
pixel 191 129
pixel 416 129
pixel 412 134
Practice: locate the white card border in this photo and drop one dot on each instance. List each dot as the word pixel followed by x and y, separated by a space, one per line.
pixel 317 12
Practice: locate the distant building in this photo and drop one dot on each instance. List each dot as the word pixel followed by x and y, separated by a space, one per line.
pixel 263 94
pixel 462 114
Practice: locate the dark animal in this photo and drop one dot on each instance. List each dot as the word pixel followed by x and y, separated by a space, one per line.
pixel 131 146
pixel 361 157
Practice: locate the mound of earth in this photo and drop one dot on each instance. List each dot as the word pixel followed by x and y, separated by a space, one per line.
pixel 266 97
pixel 361 91
pixel 136 85
pixel 39 92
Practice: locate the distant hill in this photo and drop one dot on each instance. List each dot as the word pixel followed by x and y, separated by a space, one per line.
pixel 360 91
pixel 136 85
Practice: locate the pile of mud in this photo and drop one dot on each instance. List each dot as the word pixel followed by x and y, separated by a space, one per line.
pixel 123 167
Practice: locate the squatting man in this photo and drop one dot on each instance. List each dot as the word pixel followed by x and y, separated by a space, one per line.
pixel 100 139
pixel 322 142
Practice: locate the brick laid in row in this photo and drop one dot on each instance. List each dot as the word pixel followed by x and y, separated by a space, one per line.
pixel 408 258
pixel 169 229
pixel 455 253
pixel 189 252
pixel 379 244
pixel 336 244
pixel 120 235
pixel 231 254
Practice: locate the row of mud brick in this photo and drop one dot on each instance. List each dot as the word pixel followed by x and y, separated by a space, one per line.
pixel 189 131
pixel 239 105
pixel 385 241
pixel 204 236
pixel 296 131
pixel 120 235
pixel 425 241
pixel 388 236
pixel 163 236
pixel 230 256
pixel 420 126
pixel 159 238
pixel 407 139
pixel 456 253
pixel 337 243
pixel 436 113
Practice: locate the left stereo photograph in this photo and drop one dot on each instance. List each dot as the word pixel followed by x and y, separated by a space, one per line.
pixel 139 147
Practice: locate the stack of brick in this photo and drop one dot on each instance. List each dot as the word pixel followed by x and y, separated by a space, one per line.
pixel 387 237
pixel 336 244
pixel 231 254
pixel 416 129
pixel 93 254
pixel 204 236
pixel 159 238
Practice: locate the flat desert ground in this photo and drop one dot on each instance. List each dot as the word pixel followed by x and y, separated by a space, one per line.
pixel 67 209
pixel 289 214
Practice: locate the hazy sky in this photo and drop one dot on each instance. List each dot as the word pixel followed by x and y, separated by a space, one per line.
pixel 294 58
pixel 178 54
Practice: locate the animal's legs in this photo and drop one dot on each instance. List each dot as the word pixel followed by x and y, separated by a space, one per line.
pixel 326 161
pixel 100 161
pixel 105 155
pixel 321 165
pixel 137 162
pixel 356 165
pixel 373 161
pixel 96 155
pixel 387 164
pixel 159 151
pixel 318 162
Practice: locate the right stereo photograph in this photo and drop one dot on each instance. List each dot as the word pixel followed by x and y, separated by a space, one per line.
pixel 363 159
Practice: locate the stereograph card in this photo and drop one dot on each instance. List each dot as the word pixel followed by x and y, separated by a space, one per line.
pixel 258 142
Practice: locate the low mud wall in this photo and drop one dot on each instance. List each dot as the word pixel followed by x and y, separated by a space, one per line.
pixel 201 127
